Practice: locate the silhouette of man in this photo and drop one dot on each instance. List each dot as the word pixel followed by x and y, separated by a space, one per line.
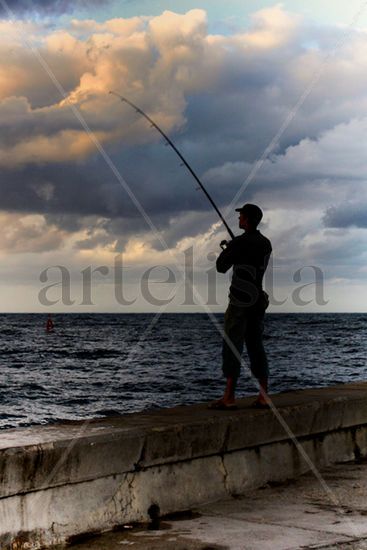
pixel 244 319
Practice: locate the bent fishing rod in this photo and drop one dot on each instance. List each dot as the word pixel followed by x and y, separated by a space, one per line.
pixel 184 161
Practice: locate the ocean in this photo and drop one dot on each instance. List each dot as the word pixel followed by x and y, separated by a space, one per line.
pixel 98 365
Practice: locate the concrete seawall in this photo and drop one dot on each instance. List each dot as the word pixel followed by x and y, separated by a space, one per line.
pixel 64 480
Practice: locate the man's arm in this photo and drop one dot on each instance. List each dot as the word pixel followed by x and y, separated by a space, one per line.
pixel 226 259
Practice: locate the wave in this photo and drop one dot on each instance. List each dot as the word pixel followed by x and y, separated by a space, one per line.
pixel 83 371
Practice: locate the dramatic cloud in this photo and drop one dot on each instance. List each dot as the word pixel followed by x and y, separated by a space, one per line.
pixel 315 173
pixel 28 234
pixel 222 98
pixel 51 6
pixel 347 214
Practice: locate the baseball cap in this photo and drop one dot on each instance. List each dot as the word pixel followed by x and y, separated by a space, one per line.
pixel 252 211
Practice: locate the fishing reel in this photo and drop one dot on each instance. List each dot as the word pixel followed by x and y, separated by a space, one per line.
pixel 223 244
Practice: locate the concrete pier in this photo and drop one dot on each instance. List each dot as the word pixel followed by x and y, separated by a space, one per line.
pixel 294 515
pixel 65 480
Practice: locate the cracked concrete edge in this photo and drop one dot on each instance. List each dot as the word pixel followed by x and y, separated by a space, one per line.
pixel 358 436
pixel 116 500
pixel 27 468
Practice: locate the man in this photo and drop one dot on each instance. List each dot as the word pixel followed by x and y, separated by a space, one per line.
pixel 243 322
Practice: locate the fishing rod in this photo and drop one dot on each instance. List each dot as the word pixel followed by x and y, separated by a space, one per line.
pixel 184 161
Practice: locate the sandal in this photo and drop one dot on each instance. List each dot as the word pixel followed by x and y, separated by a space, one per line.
pixel 220 406
pixel 259 405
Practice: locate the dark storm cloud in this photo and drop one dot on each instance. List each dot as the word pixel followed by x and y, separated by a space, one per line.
pixel 188 224
pixel 52 6
pixel 18 121
pixel 80 196
pixel 348 214
pixel 235 96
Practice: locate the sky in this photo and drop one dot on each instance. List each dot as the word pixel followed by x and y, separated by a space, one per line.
pixel 266 100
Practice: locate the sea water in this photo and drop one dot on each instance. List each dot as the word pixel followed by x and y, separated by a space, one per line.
pixel 97 365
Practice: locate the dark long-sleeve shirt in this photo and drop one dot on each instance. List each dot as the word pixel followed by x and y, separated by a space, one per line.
pixel 249 255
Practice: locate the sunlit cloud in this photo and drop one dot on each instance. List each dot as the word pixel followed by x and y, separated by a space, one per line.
pixel 24 234
pixel 221 97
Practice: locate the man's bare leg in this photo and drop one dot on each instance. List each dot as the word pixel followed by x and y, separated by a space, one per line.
pixel 229 394
pixel 263 398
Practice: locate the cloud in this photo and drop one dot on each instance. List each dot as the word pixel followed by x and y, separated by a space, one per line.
pixel 30 233
pixel 51 6
pixel 271 28
pixel 347 214
pixel 64 146
pixel 220 97
pixel 313 172
pixel 21 74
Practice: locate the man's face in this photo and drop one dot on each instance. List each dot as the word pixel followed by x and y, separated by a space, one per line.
pixel 243 221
